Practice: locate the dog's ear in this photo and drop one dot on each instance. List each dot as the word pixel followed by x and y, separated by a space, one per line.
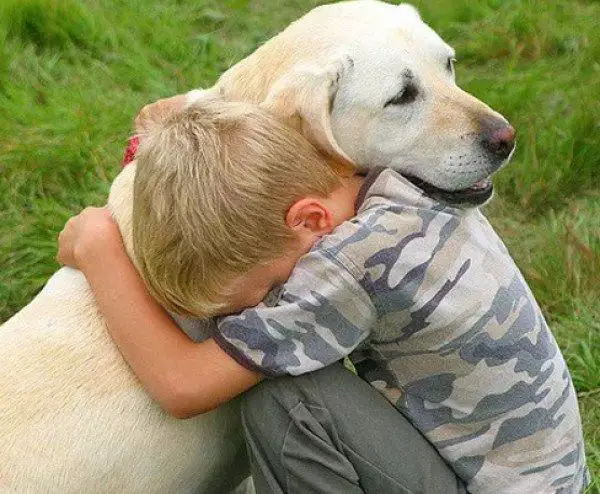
pixel 304 96
pixel 155 113
pixel 196 95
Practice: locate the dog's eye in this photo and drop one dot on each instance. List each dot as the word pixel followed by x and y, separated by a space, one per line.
pixel 450 64
pixel 408 95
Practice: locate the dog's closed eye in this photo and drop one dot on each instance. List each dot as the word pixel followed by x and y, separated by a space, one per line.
pixel 408 95
pixel 450 64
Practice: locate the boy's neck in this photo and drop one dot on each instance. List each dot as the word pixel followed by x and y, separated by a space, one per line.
pixel 342 200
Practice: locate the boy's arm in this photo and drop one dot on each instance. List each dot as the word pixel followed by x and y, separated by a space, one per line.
pixel 184 377
pixel 323 314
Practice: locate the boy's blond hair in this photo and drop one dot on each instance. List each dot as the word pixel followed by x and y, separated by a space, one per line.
pixel 212 189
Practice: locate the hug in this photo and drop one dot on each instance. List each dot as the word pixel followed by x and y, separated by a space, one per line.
pixel 319 203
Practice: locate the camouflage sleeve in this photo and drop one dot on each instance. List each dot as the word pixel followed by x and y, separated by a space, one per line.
pixel 322 315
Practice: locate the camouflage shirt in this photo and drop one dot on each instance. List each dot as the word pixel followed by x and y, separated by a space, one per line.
pixel 435 314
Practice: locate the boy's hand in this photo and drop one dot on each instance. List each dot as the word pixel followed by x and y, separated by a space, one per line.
pixel 87 237
pixel 156 112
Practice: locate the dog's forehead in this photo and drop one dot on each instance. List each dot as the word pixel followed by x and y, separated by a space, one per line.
pixel 414 35
pixel 361 9
pixel 384 31
pixel 396 49
pixel 360 18
pixel 371 33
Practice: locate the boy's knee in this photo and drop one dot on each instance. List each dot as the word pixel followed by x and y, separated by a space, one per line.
pixel 271 401
pixel 256 403
pixel 266 419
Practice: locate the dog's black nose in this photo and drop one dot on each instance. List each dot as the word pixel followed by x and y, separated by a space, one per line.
pixel 498 137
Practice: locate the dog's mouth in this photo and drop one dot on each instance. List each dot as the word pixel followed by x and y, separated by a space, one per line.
pixel 475 195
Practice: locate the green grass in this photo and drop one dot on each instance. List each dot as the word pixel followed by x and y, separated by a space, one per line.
pixel 73 74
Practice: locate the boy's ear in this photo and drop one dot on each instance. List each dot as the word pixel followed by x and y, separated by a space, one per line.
pixel 309 216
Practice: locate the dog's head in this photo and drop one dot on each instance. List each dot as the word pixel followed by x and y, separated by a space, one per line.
pixel 373 85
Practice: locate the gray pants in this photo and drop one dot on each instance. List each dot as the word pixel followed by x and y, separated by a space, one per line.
pixel 331 432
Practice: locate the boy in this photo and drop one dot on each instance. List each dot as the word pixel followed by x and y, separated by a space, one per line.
pixel 444 324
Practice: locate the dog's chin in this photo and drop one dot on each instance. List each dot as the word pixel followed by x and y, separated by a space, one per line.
pixel 475 195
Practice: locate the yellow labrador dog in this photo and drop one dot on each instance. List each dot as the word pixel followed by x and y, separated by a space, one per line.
pixel 371 84
pixel 367 82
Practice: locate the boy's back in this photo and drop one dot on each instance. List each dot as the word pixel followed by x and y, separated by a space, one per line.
pixel 443 324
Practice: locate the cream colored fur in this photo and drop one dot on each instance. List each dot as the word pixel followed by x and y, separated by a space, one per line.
pixel 331 72
pixel 73 418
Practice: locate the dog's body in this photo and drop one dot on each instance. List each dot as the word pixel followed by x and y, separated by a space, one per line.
pixel 73 417
pixel 367 82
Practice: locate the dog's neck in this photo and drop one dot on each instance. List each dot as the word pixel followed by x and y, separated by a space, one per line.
pixel 120 204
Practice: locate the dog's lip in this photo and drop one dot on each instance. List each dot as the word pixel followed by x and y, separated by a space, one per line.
pixel 476 194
